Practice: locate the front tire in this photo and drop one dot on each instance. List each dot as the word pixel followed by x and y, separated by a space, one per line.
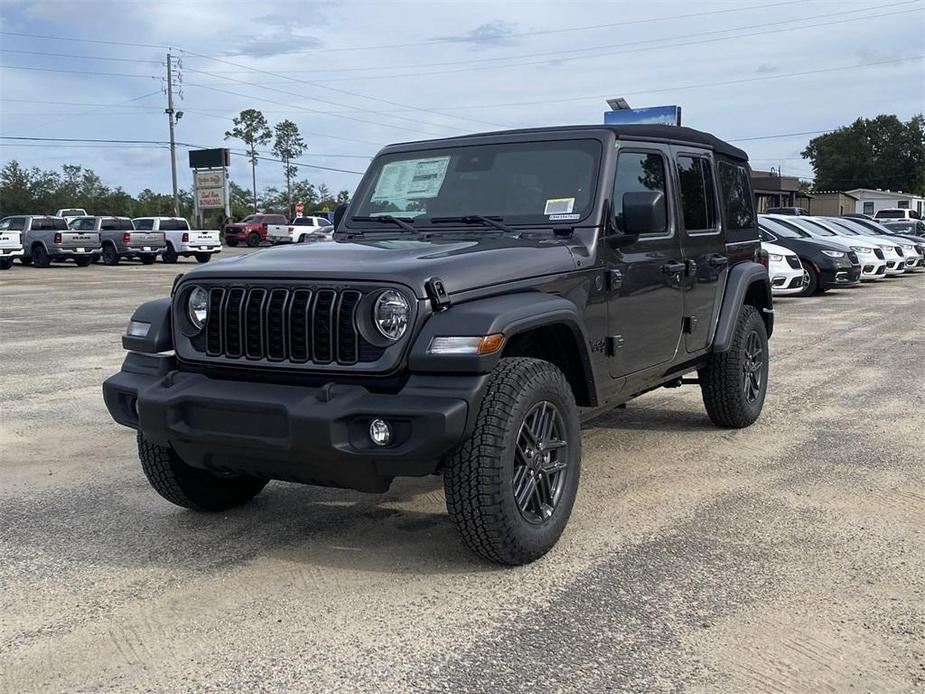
pixel 813 286
pixel 169 255
pixel 511 485
pixel 203 257
pixel 253 239
pixel 190 487
pixel 735 383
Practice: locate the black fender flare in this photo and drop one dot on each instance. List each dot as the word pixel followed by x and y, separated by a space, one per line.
pixel 747 282
pixel 159 337
pixel 511 314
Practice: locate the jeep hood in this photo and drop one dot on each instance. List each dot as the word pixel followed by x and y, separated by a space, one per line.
pixel 462 264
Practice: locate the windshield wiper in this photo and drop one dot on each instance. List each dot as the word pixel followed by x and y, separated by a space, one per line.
pixel 495 222
pixel 387 219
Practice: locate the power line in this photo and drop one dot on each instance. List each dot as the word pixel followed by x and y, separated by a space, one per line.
pixel 78 72
pixel 80 57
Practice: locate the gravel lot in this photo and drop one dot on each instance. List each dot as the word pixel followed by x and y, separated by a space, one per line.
pixel 787 557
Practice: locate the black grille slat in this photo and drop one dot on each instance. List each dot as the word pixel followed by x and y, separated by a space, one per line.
pixel 214 322
pixel 254 323
pixel 879 254
pixel 299 332
pixel 298 325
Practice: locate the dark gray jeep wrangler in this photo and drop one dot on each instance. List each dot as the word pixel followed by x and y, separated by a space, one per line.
pixel 481 296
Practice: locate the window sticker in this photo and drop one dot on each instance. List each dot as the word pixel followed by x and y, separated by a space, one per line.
pixel 559 206
pixel 411 180
pixel 564 217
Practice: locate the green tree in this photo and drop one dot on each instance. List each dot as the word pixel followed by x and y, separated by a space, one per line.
pixel 883 152
pixel 250 126
pixel 288 145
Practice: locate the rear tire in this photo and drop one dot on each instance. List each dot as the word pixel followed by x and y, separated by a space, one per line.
pixel 110 255
pixel 253 239
pixel 734 383
pixel 169 255
pixel 509 490
pixel 6 263
pixel 40 257
pixel 203 257
pixel 147 259
pixel 83 262
pixel 191 487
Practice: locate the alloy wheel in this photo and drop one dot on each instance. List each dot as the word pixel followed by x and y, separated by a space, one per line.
pixel 541 463
pixel 752 367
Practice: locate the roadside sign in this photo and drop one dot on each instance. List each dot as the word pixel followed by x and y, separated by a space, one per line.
pixel 209 198
pixel 299 208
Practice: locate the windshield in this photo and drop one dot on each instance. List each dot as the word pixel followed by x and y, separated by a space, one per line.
pixel 252 219
pixel 117 224
pixel 529 182
pixel 853 228
pixel 813 228
pixel 174 225
pixel 49 224
pixel 782 229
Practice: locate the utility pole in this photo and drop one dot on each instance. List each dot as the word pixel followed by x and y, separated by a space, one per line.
pixel 173 147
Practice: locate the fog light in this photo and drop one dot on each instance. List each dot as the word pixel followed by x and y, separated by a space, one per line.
pixel 380 432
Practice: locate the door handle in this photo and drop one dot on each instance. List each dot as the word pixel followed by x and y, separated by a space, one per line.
pixel 719 261
pixel 673 268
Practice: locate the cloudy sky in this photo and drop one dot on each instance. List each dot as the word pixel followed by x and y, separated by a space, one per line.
pixel 357 75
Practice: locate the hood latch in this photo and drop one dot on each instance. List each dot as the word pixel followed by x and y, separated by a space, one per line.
pixel 436 291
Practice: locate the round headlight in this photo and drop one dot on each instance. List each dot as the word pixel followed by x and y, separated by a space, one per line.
pixel 197 307
pixel 390 314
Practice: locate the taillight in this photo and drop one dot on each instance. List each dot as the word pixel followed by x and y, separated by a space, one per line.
pixel 126 238
pixel 57 237
pixel 185 237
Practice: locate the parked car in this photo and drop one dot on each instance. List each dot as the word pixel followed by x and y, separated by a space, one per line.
pixel 10 244
pixel 827 265
pixel 896 213
pixel 301 229
pixel 785 270
pixel 908 227
pixel 120 240
pixel 70 213
pixel 432 338
pixel 870 255
pixel 912 247
pixel 251 230
pixel 893 254
pixel 181 241
pixel 47 239
pixel 796 211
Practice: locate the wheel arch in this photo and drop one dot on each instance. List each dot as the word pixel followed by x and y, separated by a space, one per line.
pixel 748 283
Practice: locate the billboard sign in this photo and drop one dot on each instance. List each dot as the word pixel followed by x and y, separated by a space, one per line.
pixel 655 115
pixel 209 198
pixel 206 158
pixel 210 179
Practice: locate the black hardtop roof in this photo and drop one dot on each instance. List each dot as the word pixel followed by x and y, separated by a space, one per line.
pixel 662 133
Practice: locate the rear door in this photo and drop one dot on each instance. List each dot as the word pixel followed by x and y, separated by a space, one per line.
pixel 645 306
pixel 702 244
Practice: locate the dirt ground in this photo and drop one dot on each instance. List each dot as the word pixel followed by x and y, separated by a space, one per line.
pixel 787 557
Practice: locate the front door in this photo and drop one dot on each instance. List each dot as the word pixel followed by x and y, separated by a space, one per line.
pixel 703 245
pixel 645 277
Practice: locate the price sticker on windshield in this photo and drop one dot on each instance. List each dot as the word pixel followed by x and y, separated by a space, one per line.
pixel 559 206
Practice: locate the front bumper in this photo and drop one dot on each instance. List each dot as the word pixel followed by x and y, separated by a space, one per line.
pixel 840 276
pixel 301 434
pixel 872 267
pixel 786 280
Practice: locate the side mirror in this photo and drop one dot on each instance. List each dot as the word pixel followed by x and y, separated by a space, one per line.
pixel 644 213
pixel 339 213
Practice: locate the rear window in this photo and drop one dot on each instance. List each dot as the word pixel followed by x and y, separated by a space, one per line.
pixel 737 196
pixel 174 225
pixel 274 219
pixel 891 214
pixel 117 224
pixel 49 224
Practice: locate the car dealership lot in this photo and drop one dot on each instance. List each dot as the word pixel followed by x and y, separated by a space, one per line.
pixel 783 557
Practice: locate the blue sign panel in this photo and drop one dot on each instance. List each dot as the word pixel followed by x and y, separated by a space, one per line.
pixel 655 115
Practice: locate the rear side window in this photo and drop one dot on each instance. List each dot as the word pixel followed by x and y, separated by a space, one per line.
pixel 48 224
pixel 17 224
pixel 737 196
pixel 698 195
pixel 637 172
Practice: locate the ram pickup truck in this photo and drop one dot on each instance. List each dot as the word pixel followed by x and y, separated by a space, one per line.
pixel 10 244
pixel 482 295
pixel 251 230
pixel 47 239
pixel 301 229
pixel 180 240
pixel 120 240
pixel 70 213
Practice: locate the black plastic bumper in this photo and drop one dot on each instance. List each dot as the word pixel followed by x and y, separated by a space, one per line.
pixel 295 433
pixel 840 276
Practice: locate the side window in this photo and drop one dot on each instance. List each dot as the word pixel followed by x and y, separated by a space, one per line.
pixel 737 196
pixel 17 224
pixel 144 224
pixel 4 224
pixel 698 196
pixel 638 172
pixel 868 208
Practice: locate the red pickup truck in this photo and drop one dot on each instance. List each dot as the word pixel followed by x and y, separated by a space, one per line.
pixel 251 230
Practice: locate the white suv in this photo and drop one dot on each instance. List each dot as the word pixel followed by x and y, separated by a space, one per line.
pixel 896 213
pixel 785 270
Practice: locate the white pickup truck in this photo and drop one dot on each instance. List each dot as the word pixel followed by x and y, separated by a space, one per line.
pixel 300 229
pixel 181 240
pixel 71 213
pixel 10 244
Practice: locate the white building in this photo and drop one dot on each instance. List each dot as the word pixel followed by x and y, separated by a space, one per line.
pixel 870 200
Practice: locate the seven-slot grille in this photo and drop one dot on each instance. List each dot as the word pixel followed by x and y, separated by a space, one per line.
pixel 293 324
